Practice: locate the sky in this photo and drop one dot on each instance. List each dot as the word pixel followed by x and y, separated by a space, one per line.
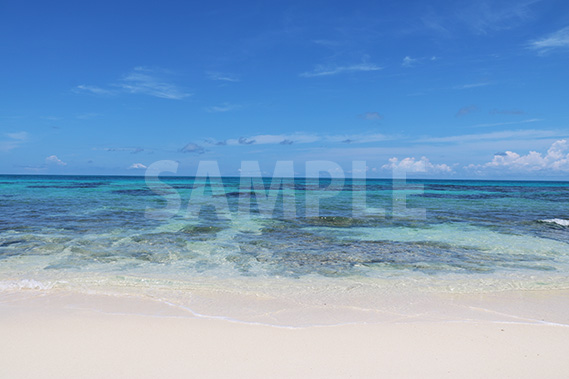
pixel 441 89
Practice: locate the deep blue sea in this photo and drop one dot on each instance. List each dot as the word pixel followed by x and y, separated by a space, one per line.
pixel 83 229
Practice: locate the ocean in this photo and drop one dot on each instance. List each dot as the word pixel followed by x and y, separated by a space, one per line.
pixel 107 234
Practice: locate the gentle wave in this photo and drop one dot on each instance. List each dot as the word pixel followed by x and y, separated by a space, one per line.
pixel 24 284
pixel 558 221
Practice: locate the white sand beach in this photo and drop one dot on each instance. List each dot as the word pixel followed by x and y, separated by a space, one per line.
pixel 50 336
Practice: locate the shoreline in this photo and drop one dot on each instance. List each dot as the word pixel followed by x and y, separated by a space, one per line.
pixel 47 334
pixel 297 303
pixel 504 307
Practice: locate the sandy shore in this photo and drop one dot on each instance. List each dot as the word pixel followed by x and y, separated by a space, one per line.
pixel 48 336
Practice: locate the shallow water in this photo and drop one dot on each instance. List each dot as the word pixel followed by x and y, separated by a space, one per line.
pixel 474 236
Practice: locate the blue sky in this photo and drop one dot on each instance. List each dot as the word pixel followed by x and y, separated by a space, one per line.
pixel 456 89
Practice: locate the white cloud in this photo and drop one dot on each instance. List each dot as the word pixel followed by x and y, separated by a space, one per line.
pixel 222 76
pixel 356 138
pixel 295 138
pixel 502 135
pixel 472 85
pixel 507 123
pixel 322 70
pixel 6 146
pixel 14 141
pixel 434 22
pixel 326 42
pixel 371 116
pixel 132 150
pixel 192 148
pixel 410 164
pixel 137 166
pixel 262 139
pixel 507 111
pixel 273 139
pixel 225 107
pixel 300 138
pixel 20 136
pixel 479 17
pixel 245 141
pixel 94 90
pixel 55 160
pixel 408 61
pixel 269 139
pixel 556 159
pixel 413 62
pixel 140 81
pixel 466 110
pixel 559 39
pixel 483 17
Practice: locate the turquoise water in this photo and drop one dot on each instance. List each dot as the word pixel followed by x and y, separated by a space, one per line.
pixel 54 228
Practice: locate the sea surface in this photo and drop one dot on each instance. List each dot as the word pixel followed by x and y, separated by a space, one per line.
pixel 93 232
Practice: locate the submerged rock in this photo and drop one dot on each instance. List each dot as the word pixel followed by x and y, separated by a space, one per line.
pixel 334 221
pixel 201 229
